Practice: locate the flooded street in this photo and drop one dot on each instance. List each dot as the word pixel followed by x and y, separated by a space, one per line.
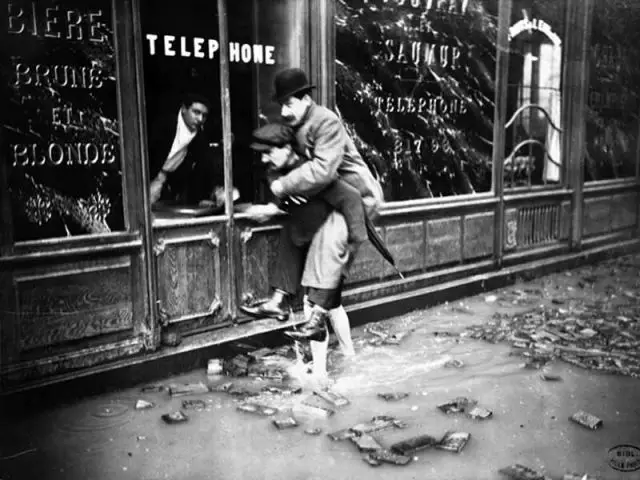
pixel 107 438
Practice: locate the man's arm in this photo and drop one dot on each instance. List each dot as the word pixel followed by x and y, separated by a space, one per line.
pixel 313 176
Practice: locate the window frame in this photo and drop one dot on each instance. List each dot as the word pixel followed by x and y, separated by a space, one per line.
pixel 128 147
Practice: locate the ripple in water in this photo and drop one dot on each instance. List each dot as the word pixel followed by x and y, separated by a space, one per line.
pixel 95 417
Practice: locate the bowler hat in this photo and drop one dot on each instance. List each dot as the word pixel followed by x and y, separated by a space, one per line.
pixel 271 135
pixel 289 82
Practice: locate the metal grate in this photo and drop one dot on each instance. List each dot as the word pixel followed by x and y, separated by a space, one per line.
pixel 538 225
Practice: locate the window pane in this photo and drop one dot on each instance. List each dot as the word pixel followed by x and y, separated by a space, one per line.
pixel 181 64
pixel 614 86
pixel 415 85
pixel 61 127
pixel 533 145
pixel 181 54
pixel 278 26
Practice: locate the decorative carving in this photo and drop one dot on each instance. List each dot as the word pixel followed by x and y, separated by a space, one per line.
pixel 246 235
pixel 215 307
pixel 159 247
pixel 162 314
pixel 214 240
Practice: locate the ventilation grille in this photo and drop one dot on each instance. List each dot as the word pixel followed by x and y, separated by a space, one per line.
pixel 538 225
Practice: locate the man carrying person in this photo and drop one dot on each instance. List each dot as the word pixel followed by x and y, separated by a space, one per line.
pixel 322 139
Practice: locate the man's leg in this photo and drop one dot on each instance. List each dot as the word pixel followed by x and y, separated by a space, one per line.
pixel 296 235
pixel 342 328
pixel 287 272
pixel 322 277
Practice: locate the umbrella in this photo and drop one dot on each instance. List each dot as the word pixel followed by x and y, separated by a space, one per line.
pixel 377 242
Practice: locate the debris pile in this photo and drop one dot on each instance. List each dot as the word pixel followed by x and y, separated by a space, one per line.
pixel 598 336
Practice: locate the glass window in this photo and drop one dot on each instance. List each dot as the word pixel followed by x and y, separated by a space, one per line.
pixel 181 56
pixel 415 86
pixel 61 123
pixel 614 86
pixel 534 105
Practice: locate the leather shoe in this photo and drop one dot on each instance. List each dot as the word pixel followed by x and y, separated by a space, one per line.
pixel 315 329
pixel 270 308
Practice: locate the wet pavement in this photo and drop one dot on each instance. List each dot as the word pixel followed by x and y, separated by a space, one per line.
pixel 105 437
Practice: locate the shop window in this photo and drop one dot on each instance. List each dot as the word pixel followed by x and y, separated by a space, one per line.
pixel 534 108
pixel 416 87
pixel 182 55
pixel 614 88
pixel 60 126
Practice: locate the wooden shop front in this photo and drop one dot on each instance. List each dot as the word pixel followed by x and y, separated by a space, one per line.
pixel 503 132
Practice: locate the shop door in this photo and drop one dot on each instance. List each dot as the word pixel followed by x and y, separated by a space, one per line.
pixel 181 57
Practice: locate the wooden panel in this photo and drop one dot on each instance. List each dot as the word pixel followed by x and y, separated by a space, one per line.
pixel 623 210
pixel 20 373
pixel 189 276
pixel 406 244
pixel 565 221
pixel 597 216
pixel 510 229
pixel 443 241
pixel 59 307
pixel 478 235
pixel 258 250
pixel 367 264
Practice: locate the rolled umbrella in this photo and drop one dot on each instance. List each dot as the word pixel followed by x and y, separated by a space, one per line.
pixel 377 242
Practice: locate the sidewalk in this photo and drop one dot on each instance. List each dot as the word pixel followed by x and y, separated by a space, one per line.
pixel 589 316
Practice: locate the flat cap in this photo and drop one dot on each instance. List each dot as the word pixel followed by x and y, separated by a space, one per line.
pixel 271 135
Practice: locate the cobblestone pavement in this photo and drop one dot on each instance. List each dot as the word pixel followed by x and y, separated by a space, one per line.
pixel 533 354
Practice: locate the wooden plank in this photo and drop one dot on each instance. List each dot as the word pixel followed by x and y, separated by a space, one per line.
pixel 368 264
pixel 188 278
pixel 597 216
pixel 576 78
pixel 54 309
pixel 623 209
pixel 227 140
pixel 406 243
pixel 478 238
pixel 444 241
pixel 499 121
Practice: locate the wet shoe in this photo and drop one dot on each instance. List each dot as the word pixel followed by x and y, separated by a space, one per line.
pixel 270 308
pixel 315 329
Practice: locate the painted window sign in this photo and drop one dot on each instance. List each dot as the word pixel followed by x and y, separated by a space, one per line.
pixel 415 86
pixel 61 128
pixel 533 154
pixel 614 88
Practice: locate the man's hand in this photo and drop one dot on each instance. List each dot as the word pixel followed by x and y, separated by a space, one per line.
pixel 276 188
pixel 262 213
pixel 219 197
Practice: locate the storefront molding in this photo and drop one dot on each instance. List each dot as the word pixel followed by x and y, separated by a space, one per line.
pixel 464 282
pixel 439 205
pixel 537 196
pixel 51 255
pixel 397 286
pixel 365 304
pixel 595 188
pixel 75 363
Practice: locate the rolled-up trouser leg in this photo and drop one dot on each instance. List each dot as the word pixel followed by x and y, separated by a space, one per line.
pixel 327 257
pixel 289 263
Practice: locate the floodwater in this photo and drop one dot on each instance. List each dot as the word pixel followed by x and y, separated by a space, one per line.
pixel 106 438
